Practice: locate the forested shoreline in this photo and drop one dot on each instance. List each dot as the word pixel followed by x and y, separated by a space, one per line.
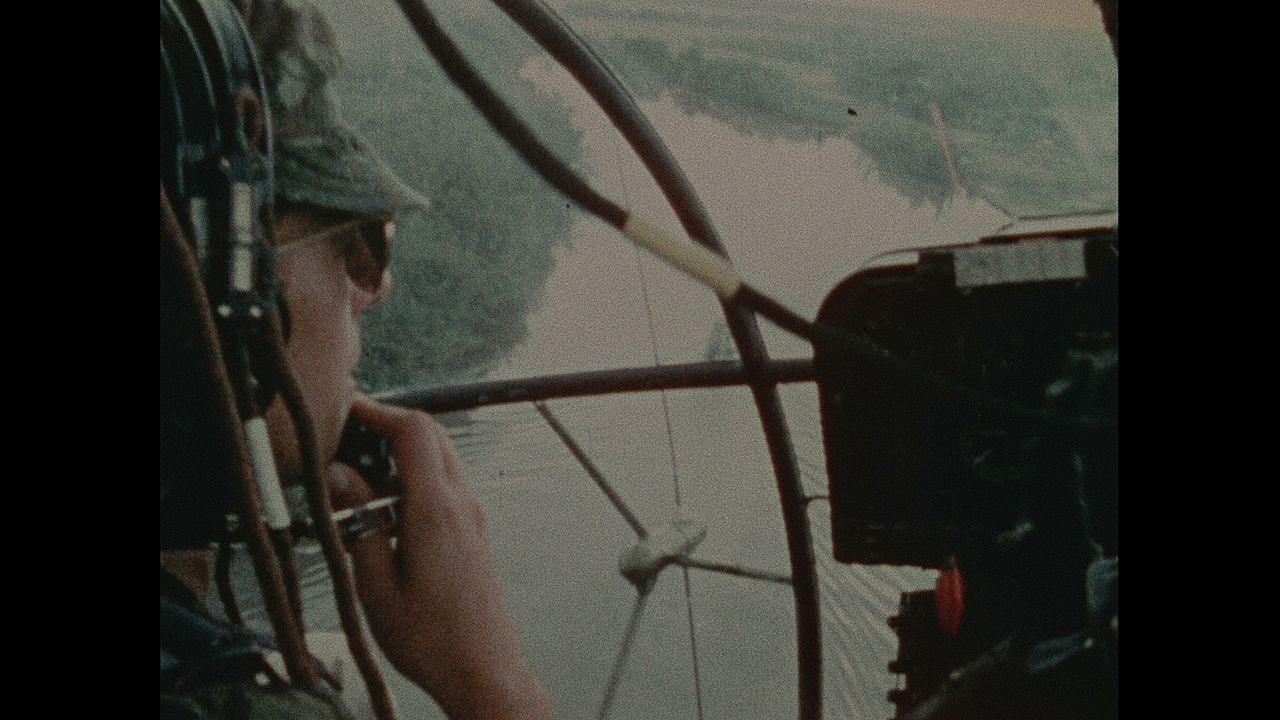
pixel 1030 118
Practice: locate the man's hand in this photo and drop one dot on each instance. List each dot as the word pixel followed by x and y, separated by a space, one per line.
pixel 434 602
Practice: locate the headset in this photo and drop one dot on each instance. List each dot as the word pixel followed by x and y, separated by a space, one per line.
pixel 223 328
pixel 216 160
pixel 216 179
pixel 216 192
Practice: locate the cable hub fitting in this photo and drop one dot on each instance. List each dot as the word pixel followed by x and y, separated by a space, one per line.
pixel 641 563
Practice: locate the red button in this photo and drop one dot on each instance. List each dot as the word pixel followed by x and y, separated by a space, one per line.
pixel 950 598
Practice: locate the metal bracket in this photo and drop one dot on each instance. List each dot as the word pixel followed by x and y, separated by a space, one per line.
pixel 641 563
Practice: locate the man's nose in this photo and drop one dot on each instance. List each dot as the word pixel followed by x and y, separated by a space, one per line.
pixel 365 298
pixel 384 287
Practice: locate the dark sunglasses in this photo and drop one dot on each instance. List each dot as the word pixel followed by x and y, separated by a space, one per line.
pixel 366 249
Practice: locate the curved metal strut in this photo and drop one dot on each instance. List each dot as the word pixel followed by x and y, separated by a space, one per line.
pixel 569 50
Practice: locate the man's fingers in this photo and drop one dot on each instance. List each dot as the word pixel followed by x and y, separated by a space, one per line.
pixel 388 421
pixel 424 455
pixel 413 435
pixel 371 552
pixel 449 456
pixel 346 487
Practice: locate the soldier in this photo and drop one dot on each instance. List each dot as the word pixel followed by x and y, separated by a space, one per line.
pixel 431 597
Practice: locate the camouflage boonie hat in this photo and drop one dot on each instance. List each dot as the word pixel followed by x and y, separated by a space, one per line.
pixel 320 159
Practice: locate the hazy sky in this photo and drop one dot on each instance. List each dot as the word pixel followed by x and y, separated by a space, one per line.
pixel 1079 14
